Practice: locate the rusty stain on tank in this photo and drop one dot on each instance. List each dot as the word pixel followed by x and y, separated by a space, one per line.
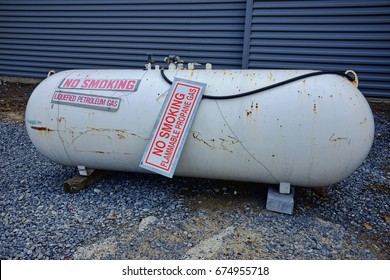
pixel 363 121
pixel 271 77
pixel 195 135
pixel 233 140
pixel 107 132
pixel 43 129
pixel 315 108
pixel 222 143
pixel 254 105
pixel 336 139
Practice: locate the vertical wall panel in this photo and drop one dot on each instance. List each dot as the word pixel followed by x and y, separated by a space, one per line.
pixel 324 35
pixel 36 36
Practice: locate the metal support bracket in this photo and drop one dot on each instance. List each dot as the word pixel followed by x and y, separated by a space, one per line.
pixel 83 171
pixel 284 188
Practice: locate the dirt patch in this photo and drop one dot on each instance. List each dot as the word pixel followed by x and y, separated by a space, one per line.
pixel 13 100
pixel 379 105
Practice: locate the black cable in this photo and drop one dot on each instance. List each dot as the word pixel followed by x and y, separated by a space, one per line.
pixel 270 86
pixel 165 77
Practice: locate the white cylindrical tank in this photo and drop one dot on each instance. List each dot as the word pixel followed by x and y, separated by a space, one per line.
pixel 311 132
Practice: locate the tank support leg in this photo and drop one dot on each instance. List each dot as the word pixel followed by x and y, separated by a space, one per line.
pixel 284 188
pixel 83 171
pixel 79 182
pixel 280 200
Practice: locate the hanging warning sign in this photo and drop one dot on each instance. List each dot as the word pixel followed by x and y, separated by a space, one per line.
pixel 172 126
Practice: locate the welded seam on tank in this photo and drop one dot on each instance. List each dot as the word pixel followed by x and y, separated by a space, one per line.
pixel 58 128
pixel 59 134
pixel 242 145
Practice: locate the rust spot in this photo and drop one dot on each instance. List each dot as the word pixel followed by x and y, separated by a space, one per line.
pixel 363 121
pixel 120 136
pixel 99 152
pixel 336 139
pixel 248 113
pixel 195 136
pixel 315 108
pixel 339 139
pixel 223 145
pixel 39 128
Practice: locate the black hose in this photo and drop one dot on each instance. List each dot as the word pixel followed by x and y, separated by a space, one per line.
pixel 270 86
pixel 165 77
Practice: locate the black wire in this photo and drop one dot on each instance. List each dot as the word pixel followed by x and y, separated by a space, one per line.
pixel 270 86
pixel 165 77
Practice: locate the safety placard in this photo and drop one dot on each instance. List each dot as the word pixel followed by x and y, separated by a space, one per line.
pixel 97 102
pixel 172 126
pixel 100 84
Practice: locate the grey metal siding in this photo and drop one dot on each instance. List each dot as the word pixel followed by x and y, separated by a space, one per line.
pixel 36 36
pixel 324 35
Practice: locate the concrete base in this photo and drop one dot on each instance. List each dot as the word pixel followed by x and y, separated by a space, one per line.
pixel 278 202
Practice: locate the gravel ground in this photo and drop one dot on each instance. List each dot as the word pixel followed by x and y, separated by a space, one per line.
pixel 138 216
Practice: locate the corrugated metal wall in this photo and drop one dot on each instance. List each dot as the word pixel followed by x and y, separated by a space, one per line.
pixel 36 36
pixel 325 35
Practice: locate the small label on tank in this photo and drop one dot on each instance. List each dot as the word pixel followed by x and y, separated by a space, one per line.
pixel 172 126
pixel 101 84
pixel 97 102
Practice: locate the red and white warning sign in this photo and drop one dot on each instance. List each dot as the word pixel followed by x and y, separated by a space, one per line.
pixel 101 84
pixel 171 129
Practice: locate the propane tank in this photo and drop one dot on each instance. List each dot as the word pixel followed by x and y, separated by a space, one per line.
pixel 311 132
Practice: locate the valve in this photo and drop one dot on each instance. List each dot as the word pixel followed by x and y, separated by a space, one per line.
pixel 175 59
pixel 150 61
